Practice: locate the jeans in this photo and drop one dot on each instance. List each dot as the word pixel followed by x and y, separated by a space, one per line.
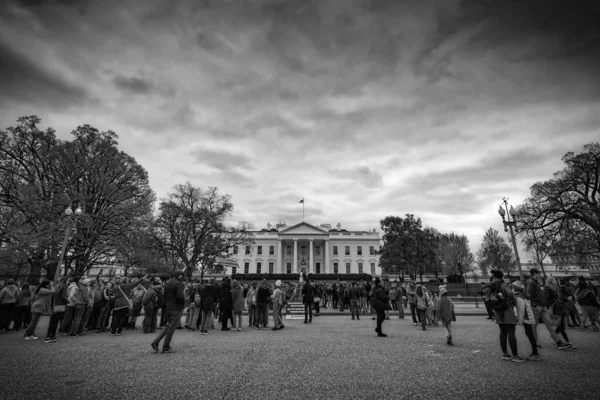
pixel 573 313
pixel 413 308
pixel 149 324
pixel 448 326
pixel 168 331
pixel 119 320
pixel 507 332
pixel 394 305
pixel 539 311
pixel 308 310
pixel 562 326
pixel 207 317
pixel 262 314
pixel 400 310
pixel 354 308
pixel 72 319
pixel 226 315
pixel 55 319
pixel 277 322
pixel 590 312
pixel 237 319
pixel 84 319
pixel 380 318
pixel 35 318
pixel 422 317
pixel 252 315
pixel 6 314
pixel 317 307
pixel 164 320
pixel 488 308
pixel 194 315
pixel 95 314
pixel 19 317
pixel 531 336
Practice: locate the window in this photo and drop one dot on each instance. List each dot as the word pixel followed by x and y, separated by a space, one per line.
pixel 347 250
pixel 100 272
pixel 289 268
pixel 303 250
pixel 335 251
pixel 233 270
pixel 258 267
pixel 318 268
pixel 359 250
pixel 270 267
pixel 288 250
pixel 271 250
pixel 246 268
pixel 347 268
pixel 259 250
pixel 360 268
pixel 235 249
pixel 318 250
pixel 335 268
pixel 373 269
pixel 372 250
pixel 247 249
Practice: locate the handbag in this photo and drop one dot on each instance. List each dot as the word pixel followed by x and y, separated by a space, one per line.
pixel 59 308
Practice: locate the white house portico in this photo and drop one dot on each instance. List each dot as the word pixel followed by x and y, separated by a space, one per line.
pixel 307 248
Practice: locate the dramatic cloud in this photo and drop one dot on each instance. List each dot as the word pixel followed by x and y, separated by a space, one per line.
pixel 365 108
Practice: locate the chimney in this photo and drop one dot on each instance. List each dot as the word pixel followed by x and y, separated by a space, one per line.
pixel 338 226
pixel 269 226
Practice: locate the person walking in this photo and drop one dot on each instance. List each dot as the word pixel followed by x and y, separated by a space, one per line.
pixel 412 299
pixel 535 294
pixel 308 297
pixel 175 304
pixel 445 313
pixel 589 305
pixel 506 319
pixel 380 301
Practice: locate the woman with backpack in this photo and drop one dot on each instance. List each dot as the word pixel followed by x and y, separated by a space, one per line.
pixel 423 301
pixel 556 306
pixel 506 319
pixel 589 305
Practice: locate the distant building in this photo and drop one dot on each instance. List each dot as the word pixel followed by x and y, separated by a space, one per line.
pixel 307 248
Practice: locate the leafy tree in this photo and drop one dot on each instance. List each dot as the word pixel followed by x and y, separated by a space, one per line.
pixel 190 230
pixel 571 197
pixel 494 253
pixel 407 246
pixel 41 175
pixel 455 254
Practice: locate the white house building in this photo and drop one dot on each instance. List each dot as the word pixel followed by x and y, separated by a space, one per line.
pixel 308 248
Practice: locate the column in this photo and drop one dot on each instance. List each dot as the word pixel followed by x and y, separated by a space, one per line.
pixel 279 256
pixel 311 265
pixel 326 261
pixel 295 256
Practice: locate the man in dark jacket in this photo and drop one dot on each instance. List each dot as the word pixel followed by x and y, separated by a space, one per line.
pixel 175 303
pixel 226 305
pixel 535 294
pixel 308 298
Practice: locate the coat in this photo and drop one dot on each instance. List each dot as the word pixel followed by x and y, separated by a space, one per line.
pixel 237 298
pixel 41 302
pixel 174 295
pixel 9 294
pixel 308 294
pixel 507 316
pixel 445 309
pixel 226 303
pixel 209 298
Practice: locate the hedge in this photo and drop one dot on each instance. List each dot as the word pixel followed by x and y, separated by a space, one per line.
pixel 295 277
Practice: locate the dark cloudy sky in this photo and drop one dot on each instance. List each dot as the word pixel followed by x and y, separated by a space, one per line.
pixel 365 108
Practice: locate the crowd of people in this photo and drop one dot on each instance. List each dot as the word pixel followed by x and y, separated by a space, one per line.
pixel 78 304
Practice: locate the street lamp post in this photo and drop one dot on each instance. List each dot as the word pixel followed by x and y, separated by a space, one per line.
pixel 508 224
pixel 69 215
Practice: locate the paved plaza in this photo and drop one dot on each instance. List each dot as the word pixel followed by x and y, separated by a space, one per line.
pixel 332 358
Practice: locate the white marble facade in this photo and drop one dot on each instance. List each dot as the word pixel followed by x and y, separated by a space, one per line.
pixel 311 249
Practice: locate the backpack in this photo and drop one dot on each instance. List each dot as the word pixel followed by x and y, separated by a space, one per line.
pixel 137 295
pixel 159 300
pixel 498 298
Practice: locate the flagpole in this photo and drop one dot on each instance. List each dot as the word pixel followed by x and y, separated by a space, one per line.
pixel 302 210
